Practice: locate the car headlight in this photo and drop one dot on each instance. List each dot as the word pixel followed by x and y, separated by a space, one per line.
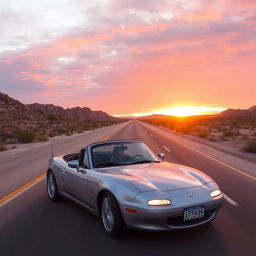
pixel 215 193
pixel 159 202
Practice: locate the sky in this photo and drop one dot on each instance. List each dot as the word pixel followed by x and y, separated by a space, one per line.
pixel 130 57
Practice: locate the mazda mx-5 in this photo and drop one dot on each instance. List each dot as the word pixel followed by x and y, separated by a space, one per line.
pixel 129 186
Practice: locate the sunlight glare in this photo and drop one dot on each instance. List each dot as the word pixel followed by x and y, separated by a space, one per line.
pixel 190 111
pixel 181 111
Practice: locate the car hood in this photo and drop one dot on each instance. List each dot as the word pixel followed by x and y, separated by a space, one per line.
pixel 160 176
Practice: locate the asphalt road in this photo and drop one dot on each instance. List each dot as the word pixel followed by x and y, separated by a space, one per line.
pixel 19 166
pixel 32 225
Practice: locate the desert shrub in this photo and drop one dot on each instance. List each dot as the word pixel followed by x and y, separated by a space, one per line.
pixel 244 137
pixel 228 133
pixel 202 133
pixel 41 132
pixel 52 134
pixel 3 147
pixel 185 129
pixel 223 138
pixel 52 117
pixel 59 130
pixel 2 138
pixel 94 125
pixel 42 137
pixel 11 141
pixel 5 137
pixel 222 129
pixel 250 146
pixel 25 136
pixel 237 133
pixel 68 132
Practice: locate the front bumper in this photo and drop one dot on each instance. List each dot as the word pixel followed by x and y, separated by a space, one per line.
pixel 170 217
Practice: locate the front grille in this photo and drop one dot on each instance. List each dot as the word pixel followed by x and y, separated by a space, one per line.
pixel 179 222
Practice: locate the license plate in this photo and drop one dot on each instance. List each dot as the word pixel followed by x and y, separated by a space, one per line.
pixel 193 213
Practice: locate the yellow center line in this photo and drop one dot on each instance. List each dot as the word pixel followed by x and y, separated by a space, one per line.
pixel 6 197
pixel 111 135
pixel 105 139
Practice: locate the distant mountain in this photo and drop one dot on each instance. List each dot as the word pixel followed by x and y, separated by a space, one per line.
pixel 78 113
pixel 250 112
pixel 253 108
pixel 159 116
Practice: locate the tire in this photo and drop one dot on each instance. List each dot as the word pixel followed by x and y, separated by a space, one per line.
pixel 52 189
pixel 111 217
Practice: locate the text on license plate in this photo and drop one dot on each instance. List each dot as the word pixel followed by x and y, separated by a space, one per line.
pixel 193 213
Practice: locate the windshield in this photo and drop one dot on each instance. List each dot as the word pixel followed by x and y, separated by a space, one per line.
pixel 121 153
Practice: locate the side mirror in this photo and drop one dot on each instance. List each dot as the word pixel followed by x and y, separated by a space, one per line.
pixel 161 155
pixel 73 163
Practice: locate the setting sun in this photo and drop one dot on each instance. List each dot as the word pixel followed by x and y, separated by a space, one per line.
pixel 181 111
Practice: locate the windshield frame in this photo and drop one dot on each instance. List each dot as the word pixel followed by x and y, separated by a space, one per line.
pixel 155 158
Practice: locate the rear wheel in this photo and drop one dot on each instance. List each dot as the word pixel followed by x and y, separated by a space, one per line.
pixel 52 189
pixel 111 217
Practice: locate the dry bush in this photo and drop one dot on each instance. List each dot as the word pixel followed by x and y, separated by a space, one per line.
pixel 42 137
pixel 11 141
pixel 25 136
pixel 52 117
pixel 3 147
pixel 52 133
pixel 202 133
pixel 185 129
pixel 228 133
pixel 250 146
pixel 244 137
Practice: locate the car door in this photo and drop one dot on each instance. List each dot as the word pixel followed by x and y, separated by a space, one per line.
pixel 76 179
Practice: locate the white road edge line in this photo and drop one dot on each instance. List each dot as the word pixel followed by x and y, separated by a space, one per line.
pixel 166 148
pixel 20 192
pixel 216 160
pixel 231 201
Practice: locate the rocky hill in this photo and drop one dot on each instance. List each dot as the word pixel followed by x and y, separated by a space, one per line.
pixel 250 112
pixel 78 113
pixel 253 108
pixel 36 122
pixel 14 114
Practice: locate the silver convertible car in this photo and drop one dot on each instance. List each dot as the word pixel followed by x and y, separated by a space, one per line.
pixel 128 186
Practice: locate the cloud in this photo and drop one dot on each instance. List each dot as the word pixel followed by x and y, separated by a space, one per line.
pixel 129 53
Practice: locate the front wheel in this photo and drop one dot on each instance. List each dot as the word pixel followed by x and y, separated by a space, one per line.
pixel 52 189
pixel 111 217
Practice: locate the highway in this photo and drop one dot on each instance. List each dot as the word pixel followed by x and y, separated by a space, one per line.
pixel 32 225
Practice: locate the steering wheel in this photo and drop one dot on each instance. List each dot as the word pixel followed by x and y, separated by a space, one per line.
pixel 137 156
